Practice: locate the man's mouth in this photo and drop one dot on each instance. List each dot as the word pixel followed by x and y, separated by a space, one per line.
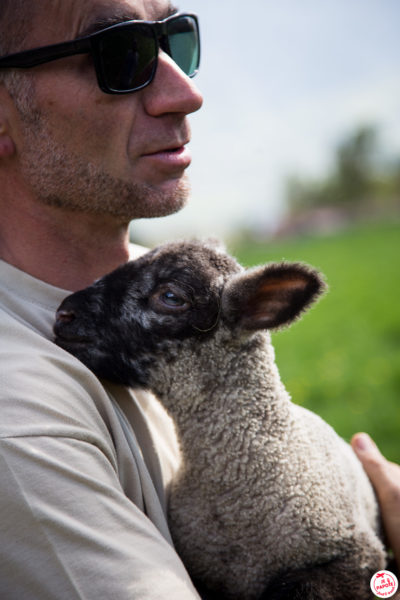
pixel 177 157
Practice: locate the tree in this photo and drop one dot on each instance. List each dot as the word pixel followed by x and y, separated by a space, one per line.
pixel 353 177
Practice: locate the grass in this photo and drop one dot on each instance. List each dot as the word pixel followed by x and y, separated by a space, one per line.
pixel 342 360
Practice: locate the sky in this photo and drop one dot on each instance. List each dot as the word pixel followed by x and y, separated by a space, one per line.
pixel 283 83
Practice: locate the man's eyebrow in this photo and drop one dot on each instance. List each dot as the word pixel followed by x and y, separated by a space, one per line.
pixel 114 19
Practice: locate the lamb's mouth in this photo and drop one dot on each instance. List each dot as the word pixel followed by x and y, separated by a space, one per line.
pixel 69 343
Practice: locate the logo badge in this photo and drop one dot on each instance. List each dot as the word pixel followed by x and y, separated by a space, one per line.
pixel 384 584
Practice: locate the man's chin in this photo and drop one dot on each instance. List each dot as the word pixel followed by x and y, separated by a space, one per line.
pixel 163 200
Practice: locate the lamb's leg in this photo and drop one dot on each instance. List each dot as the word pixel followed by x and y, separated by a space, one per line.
pixel 329 581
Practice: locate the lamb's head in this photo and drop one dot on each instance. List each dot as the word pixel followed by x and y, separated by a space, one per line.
pixel 178 294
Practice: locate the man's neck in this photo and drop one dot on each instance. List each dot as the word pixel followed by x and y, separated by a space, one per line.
pixel 69 251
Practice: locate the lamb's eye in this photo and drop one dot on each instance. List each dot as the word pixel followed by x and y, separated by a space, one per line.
pixel 169 300
pixel 173 300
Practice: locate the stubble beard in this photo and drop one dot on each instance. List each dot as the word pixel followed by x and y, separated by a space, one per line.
pixel 63 179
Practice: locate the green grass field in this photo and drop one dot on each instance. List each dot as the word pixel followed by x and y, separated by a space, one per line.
pixel 342 360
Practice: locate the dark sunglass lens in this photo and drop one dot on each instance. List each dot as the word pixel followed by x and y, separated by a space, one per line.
pixel 128 56
pixel 184 44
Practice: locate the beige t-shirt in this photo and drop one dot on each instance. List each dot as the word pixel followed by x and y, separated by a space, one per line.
pixel 84 468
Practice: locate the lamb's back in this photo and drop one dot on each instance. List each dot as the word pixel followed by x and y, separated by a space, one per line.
pixel 335 490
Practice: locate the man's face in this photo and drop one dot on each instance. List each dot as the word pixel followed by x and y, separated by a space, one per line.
pixel 81 149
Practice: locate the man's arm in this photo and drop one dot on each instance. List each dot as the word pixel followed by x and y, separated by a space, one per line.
pixel 69 532
pixel 73 503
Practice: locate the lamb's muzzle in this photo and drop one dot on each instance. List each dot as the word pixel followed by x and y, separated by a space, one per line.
pixel 269 502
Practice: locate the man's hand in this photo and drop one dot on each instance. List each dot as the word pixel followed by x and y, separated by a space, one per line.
pixel 385 477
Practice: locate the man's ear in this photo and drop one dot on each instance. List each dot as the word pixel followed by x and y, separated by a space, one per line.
pixel 7 145
pixel 270 296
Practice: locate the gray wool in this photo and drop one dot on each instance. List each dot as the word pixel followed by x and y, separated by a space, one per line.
pixel 266 490
pixel 264 484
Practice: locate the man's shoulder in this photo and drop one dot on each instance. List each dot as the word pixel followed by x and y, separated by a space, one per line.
pixel 43 388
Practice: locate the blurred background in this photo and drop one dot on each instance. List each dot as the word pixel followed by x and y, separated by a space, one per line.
pixel 296 155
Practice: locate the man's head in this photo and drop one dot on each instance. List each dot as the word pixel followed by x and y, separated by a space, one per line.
pixel 81 149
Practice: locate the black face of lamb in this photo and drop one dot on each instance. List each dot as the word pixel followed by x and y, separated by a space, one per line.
pixel 118 326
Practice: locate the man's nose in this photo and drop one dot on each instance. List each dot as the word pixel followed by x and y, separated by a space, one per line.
pixel 171 91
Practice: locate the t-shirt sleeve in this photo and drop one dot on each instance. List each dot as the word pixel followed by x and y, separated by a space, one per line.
pixel 68 531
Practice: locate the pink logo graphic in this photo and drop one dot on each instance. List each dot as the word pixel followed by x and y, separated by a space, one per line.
pixel 384 584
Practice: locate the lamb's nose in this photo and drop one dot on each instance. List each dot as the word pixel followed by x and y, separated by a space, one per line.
pixel 65 316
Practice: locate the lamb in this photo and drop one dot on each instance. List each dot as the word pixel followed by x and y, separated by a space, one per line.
pixel 269 501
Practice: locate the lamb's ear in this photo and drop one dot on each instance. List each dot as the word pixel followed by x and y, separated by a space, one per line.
pixel 271 296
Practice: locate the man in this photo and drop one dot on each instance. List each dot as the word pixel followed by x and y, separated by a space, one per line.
pixel 83 467
pixel 87 143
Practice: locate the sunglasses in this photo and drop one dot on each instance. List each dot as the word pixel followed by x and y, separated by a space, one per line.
pixel 125 55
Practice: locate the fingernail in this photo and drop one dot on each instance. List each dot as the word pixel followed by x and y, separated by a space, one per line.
pixel 364 442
